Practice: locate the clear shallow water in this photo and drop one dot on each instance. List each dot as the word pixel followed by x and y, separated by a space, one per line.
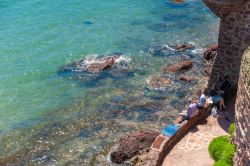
pixel 38 106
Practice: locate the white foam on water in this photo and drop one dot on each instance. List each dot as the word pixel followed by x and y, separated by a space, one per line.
pixel 123 58
pixel 168 47
pixel 94 58
pixel 91 59
pixel 198 49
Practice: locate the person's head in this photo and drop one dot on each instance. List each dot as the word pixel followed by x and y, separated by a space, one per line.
pixel 194 100
pixel 206 91
pixel 198 92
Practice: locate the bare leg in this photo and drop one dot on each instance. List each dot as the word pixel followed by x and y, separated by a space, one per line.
pixel 222 103
pixel 178 120
pixel 222 106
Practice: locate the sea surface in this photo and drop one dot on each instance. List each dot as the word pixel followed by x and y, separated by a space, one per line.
pixel 52 118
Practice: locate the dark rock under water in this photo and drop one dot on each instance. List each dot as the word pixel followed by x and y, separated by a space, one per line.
pixel 91 69
pixel 170 50
pixel 88 22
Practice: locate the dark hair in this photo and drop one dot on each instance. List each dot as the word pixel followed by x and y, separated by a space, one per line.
pixel 199 91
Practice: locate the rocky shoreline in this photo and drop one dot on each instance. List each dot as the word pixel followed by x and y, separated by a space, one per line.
pixel 134 147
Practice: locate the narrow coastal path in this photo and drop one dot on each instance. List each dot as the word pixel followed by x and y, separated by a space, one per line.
pixel 192 150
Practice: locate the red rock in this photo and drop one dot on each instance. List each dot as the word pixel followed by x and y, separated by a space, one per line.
pixel 98 65
pixel 186 78
pixel 182 47
pixel 130 145
pixel 102 66
pixel 164 82
pixel 178 66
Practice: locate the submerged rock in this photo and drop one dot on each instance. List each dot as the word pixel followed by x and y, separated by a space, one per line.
pixel 160 27
pixel 93 65
pixel 132 144
pixel 186 78
pixel 183 47
pixel 162 50
pixel 158 82
pixel 211 52
pixel 121 72
pixel 184 65
pixel 97 67
pixel 88 22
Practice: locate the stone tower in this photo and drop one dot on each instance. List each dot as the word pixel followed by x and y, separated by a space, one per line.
pixel 234 39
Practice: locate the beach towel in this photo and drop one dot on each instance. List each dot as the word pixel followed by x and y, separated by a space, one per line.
pixel 170 130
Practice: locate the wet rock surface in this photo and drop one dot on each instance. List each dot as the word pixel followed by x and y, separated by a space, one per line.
pixel 97 67
pixel 211 52
pixel 184 65
pixel 183 47
pixel 132 144
pixel 93 65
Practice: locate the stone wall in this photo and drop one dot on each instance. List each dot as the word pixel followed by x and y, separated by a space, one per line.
pixel 242 157
pixel 234 37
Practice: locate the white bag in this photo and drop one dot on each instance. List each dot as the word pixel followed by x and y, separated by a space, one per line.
pixel 214 111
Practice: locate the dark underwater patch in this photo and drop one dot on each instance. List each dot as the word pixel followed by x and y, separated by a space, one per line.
pixel 88 22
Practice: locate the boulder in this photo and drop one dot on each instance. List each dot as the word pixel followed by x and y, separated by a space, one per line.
pixel 183 47
pixel 131 145
pixel 186 78
pixel 101 66
pixel 178 66
pixel 93 65
pixel 210 53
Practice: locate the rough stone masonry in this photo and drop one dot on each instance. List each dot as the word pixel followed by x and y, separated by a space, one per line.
pixel 234 38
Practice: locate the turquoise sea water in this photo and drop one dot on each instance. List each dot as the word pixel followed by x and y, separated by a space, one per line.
pixel 63 121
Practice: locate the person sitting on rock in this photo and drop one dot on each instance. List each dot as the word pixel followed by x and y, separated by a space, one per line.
pixel 202 99
pixel 191 111
pixel 217 98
